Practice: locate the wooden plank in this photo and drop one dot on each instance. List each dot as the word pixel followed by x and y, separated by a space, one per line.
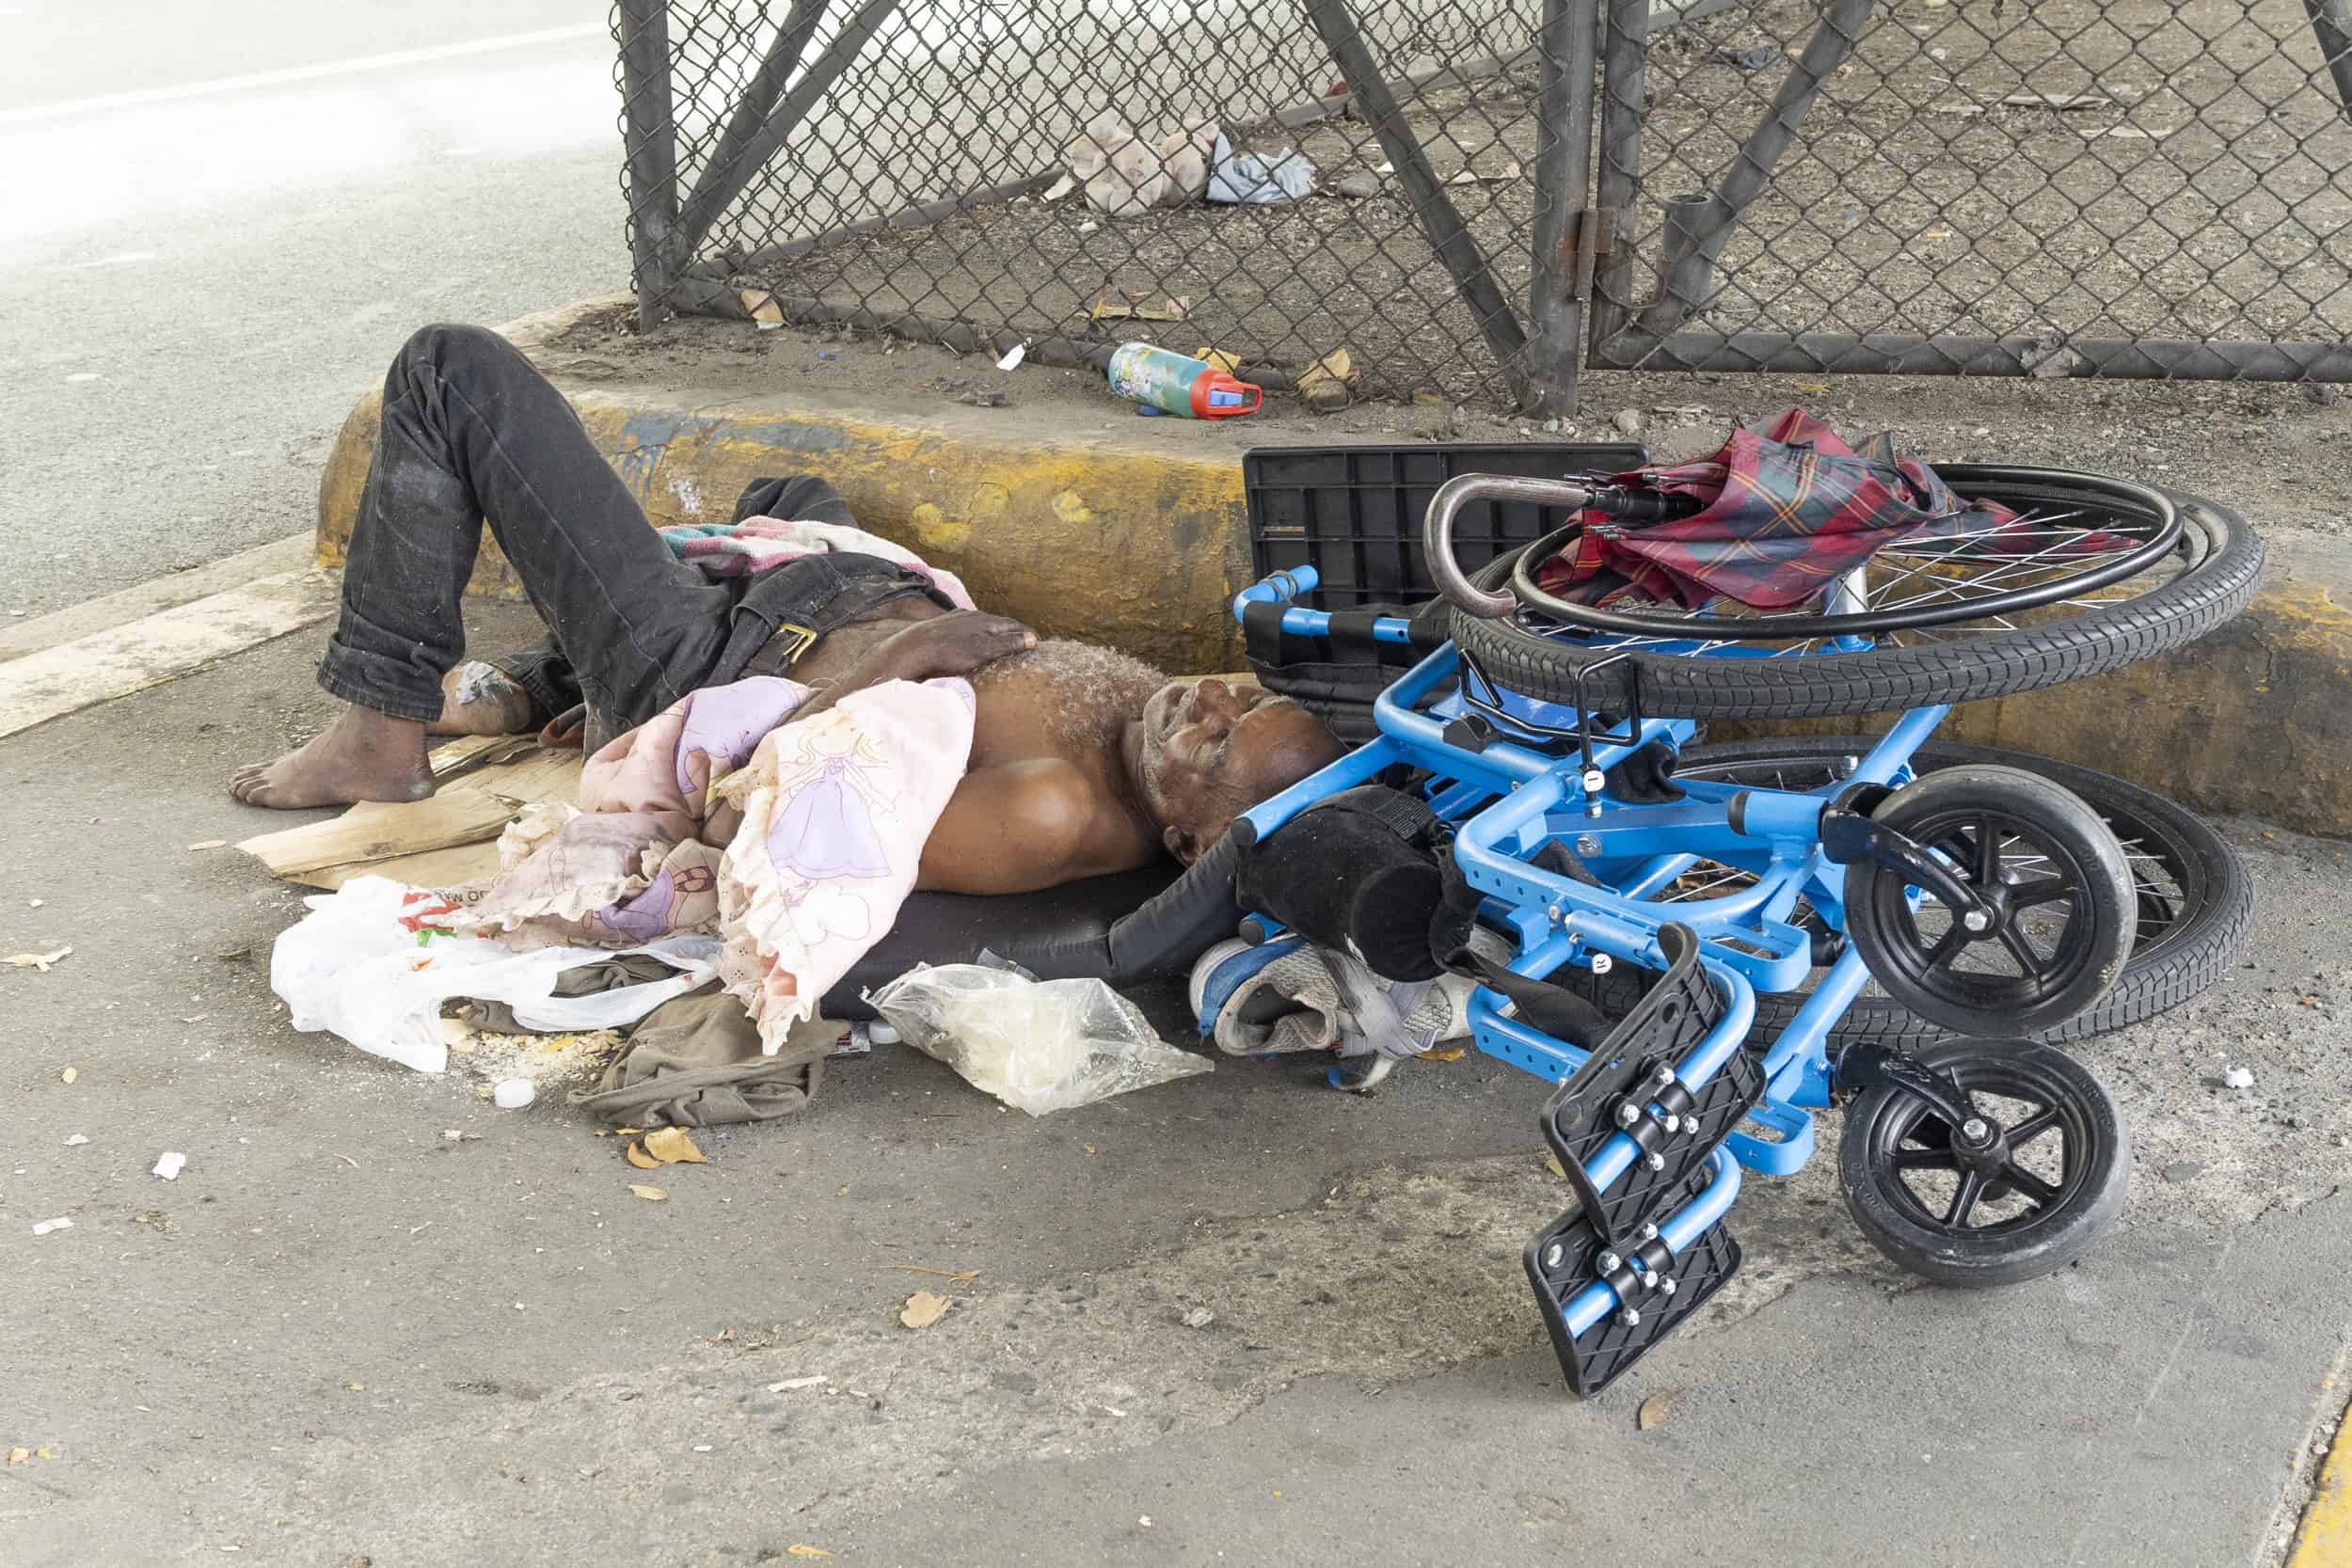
pixel 451 867
pixel 380 832
pixel 120 660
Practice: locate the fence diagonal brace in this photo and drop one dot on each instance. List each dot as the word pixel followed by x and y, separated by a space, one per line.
pixel 722 182
pixel 759 97
pixel 1441 220
pixel 1697 230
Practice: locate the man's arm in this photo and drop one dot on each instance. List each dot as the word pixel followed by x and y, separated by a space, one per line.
pixel 1018 827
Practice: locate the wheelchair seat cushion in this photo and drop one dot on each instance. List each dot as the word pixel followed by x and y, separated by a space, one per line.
pixel 1127 928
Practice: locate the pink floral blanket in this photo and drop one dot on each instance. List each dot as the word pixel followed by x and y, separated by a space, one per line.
pixel 794 841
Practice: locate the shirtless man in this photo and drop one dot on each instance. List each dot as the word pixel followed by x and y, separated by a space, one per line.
pixel 1084 761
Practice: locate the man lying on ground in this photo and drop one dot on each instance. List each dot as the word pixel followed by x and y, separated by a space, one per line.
pixel 1084 761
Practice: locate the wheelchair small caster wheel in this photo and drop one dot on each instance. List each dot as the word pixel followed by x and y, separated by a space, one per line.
pixel 2020 1187
pixel 2056 911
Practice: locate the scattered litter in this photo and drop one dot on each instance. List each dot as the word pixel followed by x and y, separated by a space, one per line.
pixel 880 1032
pixel 1200 1317
pixel 856 1041
pixel 1037 1045
pixel 45 1227
pixel 671 1146
pixel 829 355
pixel 651 1195
pixel 35 903
pixel 2060 100
pixel 211 844
pixel 923 1309
pixel 638 1157
pixel 1125 176
pixel 1173 308
pixel 1654 1410
pixel 762 307
pixel 154 1219
pixel 1060 187
pixel 1551 1163
pixel 2130 132
pixel 452 1135
pixel 1755 56
pixel 68 1075
pixel 1088 227
pixel 1014 355
pixel 959 1277
pixel 1219 360
pixel 76 1140
pixel 986 397
pixel 702 1447
pixel 2238 1078
pixel 35 960
pixel 1328 384
pixel 1471 176
pixel 790 1384
pixel 513 1094
pixel 17 1456
pixel 170 1164
pixel 1256 179
pixel 1384 168
pixel 801 1548
pixel 1173 383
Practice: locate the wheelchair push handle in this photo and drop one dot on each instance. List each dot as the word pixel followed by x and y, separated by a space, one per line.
pixel 1436 531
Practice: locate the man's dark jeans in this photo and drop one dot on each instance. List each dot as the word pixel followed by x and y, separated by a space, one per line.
pixel 474 432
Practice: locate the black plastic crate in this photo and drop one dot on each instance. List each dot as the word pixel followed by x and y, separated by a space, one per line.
pixel 1355 512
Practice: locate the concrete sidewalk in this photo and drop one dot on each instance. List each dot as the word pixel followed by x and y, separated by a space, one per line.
pixel 342 1334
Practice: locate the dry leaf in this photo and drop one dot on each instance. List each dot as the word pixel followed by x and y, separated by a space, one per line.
pixel 923 1309
pixel 1551 1163
pixel 1219 360
pixel 17 1456
pixel 639 1158
pixel 799 1548
pixel 651 1195
pixel 44 1451
pixel 1653 1409
pixel 671 1146
pixel 964 1277
pixel 1810 386
pixel 629 1132
pixel 211 844
pixel 763 308
pixel 1445 1053
pixel 35 960
pixel 789 1383
pixel 68 1075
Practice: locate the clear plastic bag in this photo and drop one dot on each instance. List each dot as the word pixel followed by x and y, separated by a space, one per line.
pixel 1037 1045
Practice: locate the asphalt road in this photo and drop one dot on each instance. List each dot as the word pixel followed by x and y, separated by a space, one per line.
pixel 221 220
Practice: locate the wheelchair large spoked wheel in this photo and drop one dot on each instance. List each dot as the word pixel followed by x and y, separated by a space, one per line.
pixel 2104 572
pixel 2057 908
pixel 2020 1187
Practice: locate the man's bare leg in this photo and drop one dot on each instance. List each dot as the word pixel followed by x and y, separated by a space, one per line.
pixel 481 699
pixel 363 755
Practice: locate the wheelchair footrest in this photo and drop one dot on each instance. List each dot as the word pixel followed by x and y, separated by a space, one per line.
pixel 1656 1290
pixel 1628 1086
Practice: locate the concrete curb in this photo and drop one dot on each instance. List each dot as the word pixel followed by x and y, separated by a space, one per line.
pixel 1112 539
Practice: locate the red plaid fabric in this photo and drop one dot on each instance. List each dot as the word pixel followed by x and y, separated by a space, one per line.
pixel 1786 512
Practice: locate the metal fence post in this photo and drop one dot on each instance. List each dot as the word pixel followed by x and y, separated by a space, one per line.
pixel 1568 44
pixel 651 150
pixel 1625 67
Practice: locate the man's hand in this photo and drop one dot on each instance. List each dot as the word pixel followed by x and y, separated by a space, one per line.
pixel 957 644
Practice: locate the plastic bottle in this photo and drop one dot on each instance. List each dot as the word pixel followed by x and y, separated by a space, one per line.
pixel 1179 384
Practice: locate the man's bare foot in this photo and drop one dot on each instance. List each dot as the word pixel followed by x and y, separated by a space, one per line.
pixel 481 699
pixel 363 755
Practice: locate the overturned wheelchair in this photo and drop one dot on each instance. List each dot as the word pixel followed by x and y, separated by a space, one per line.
pixel 1681 936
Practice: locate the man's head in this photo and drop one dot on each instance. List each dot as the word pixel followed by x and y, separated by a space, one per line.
pixel 1211 750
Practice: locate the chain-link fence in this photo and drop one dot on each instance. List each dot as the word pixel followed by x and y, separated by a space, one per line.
pixel 2050 187
pixel 1466 198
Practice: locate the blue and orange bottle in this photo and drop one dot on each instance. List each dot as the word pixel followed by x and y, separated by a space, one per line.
pixel 1179 384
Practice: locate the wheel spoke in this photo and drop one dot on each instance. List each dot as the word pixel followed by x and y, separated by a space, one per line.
pixel 1947 946
pixel 2028 1184
pixel 1988 852
pixel 1964 1199
pixel 2046 890
pixel 2021 948
pixel 2033 1127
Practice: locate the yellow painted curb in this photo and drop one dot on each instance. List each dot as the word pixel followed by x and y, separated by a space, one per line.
pixel 2326 1539
pixel 1113 540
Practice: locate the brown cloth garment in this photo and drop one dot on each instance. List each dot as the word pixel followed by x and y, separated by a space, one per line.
pixel 695 1061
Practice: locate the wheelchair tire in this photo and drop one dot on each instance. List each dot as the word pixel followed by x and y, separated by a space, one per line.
pixel 2063 1187
pixel 2220 564
pixel 2194 897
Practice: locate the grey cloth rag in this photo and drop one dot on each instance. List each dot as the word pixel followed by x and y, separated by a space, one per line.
pixel 634 969
pixel 695 1061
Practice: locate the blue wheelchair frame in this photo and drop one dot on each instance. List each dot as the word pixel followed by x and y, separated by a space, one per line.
pixel 1508 798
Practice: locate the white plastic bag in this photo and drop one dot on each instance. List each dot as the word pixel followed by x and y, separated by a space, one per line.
pixel 1037 1045
pixel 355 966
